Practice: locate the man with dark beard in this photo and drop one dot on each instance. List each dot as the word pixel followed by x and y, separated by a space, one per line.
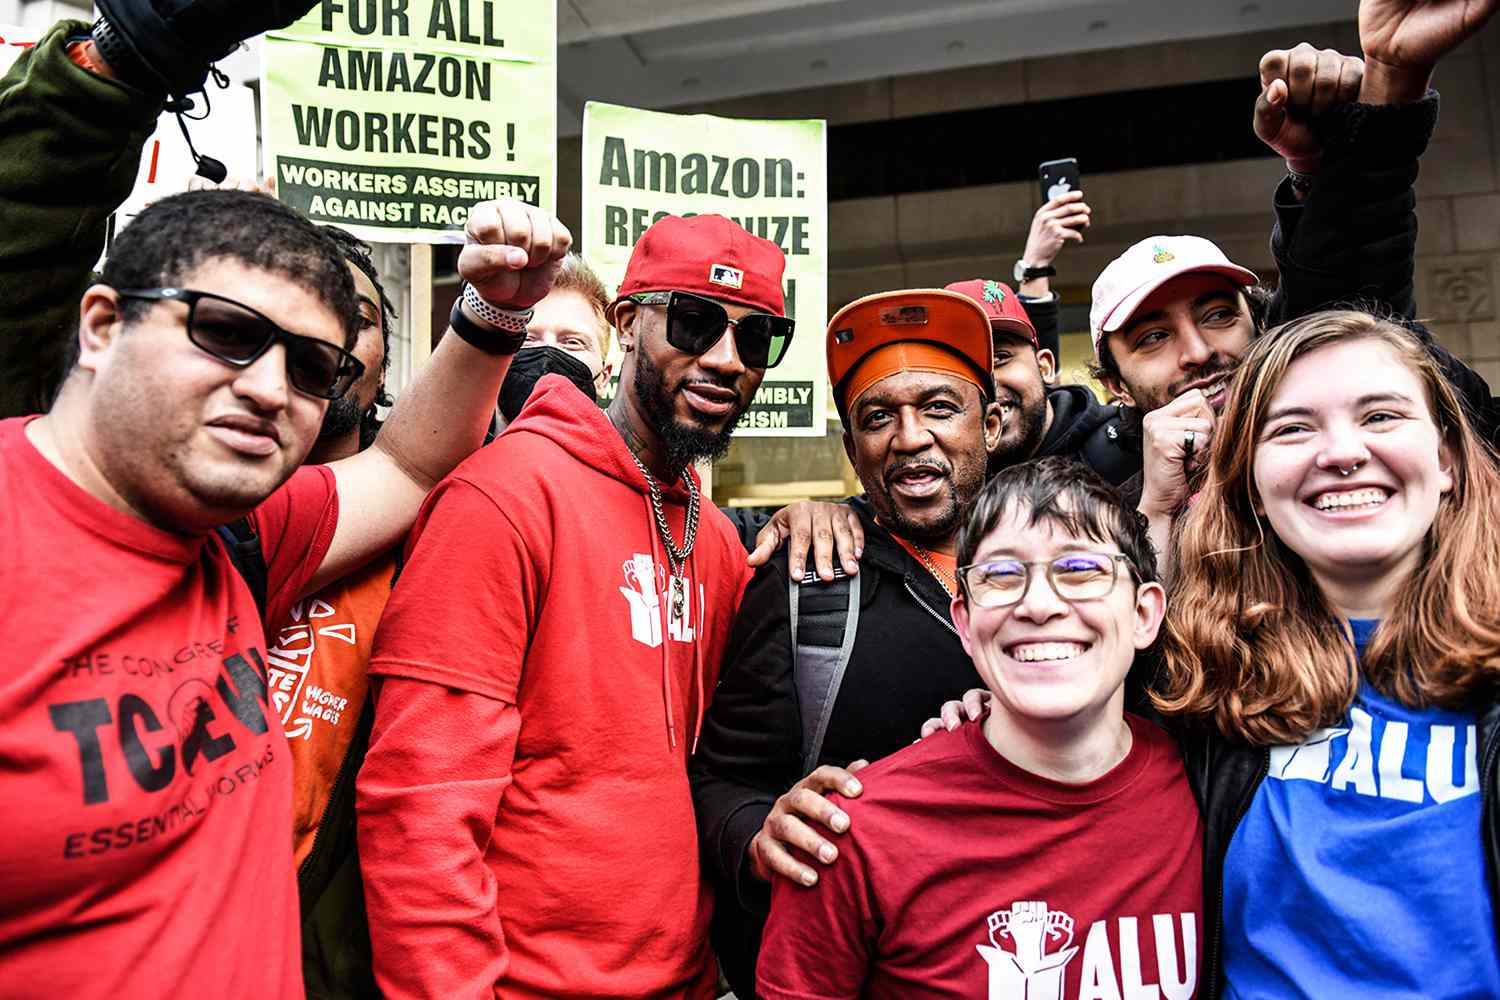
pixel 1043 419
pixel 912 380
pixel 525 823
pixel 350 424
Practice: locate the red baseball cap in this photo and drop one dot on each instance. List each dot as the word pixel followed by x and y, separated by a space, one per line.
pixel 708 255
pixel 1001 305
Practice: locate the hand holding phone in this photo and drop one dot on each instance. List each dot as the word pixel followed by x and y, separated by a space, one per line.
pixel 1061 219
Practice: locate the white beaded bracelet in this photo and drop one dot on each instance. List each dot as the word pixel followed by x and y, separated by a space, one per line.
pixel 509 320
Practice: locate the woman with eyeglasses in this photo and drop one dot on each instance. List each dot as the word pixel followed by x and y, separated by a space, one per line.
pixel 1333 648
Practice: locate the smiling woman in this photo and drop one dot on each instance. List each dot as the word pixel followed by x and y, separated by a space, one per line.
pixel 1336 499
pixel 1336 617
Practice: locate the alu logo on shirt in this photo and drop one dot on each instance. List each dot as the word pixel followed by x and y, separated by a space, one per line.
pixel 1041 945
pixel 1031 945
pixel 1373 763
pixel 645 584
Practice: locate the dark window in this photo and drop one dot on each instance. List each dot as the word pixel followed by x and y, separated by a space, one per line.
pixel 1130 130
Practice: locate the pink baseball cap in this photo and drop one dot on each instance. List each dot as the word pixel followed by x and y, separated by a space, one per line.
pixel 1145 267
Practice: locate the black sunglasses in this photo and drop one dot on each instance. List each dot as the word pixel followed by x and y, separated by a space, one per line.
pixel 695 324
pixel 238 335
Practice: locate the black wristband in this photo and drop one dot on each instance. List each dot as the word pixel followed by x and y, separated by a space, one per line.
pixel 487 339
pixel 122 60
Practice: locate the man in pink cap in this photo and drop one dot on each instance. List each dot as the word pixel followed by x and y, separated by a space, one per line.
pixel 1172 315
pixel 525 823
pixel 1042 419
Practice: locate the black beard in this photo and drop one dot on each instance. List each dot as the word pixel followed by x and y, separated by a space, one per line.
pixel 684 444
pixel 1033 426
pixel 890 515
pixel 343 417
pixel 964 481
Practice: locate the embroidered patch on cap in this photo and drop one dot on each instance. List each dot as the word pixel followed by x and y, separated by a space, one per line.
pixel 843 336
pixel 904 316
pixel 723 274
pixel 1161 254
pixel 993 292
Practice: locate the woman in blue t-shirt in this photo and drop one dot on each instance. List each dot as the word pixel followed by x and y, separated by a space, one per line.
pixel 1334 625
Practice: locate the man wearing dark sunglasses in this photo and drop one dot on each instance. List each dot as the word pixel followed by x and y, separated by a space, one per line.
pixel 817 674
pixel 543 679
pixel 143 750
pixel 697 342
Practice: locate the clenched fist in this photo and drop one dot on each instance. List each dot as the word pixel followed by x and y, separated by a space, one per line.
pixel 1297 85
pixel 513 252
pixel 1403 39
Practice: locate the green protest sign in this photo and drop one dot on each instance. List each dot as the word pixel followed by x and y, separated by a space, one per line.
pixel 391 118
pixel 769 176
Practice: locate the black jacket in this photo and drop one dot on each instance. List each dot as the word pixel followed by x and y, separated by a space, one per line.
pixel 906 661
pixel 1224 777
pixel 1353 241
pixel 1044 314
pixel 1088 430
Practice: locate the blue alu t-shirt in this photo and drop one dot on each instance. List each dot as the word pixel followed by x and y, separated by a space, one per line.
pixel 1359 870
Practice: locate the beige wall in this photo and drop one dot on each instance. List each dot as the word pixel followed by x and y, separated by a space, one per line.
pixel 934 237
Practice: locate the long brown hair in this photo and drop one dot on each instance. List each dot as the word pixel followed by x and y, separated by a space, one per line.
pixel 1251 644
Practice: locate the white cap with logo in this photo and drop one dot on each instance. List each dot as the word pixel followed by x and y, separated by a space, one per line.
pixel 1135 274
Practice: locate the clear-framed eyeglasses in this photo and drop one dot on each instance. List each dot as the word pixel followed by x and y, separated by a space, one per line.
pixel 1076 576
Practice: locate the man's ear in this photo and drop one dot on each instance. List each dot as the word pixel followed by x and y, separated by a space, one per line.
pixel 625 316
pixel 1116 389
pixel 1046 363
pixel 849 450
pixel 994 426
pixel 99 324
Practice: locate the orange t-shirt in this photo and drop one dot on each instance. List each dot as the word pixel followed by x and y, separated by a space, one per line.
pixel 318 675
pixel 947 565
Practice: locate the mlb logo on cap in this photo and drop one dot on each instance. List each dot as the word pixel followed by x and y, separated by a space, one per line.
pixel 730 277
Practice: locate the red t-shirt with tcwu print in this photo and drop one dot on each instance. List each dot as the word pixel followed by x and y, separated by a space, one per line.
pixel 145 782
pixel 964 876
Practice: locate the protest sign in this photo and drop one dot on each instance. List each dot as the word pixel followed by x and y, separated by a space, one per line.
pixel 227 134
pixel 769 176
pixel 14 40
pixel 392 118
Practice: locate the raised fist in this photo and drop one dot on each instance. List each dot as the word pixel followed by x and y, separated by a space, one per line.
pixel 513 252
pixel 1297 85
pixel 1415 34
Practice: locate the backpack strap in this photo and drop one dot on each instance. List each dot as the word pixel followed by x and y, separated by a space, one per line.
pixel 825 619
pixel 243 546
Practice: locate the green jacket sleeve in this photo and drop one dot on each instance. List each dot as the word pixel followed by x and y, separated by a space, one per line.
pixel 72 146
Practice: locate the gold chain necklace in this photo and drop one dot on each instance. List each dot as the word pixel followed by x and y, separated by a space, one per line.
pixel 932 568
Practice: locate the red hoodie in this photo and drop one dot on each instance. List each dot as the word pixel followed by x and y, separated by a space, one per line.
pixel 525 824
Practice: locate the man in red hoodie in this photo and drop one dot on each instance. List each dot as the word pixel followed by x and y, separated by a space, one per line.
pixel 525 824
